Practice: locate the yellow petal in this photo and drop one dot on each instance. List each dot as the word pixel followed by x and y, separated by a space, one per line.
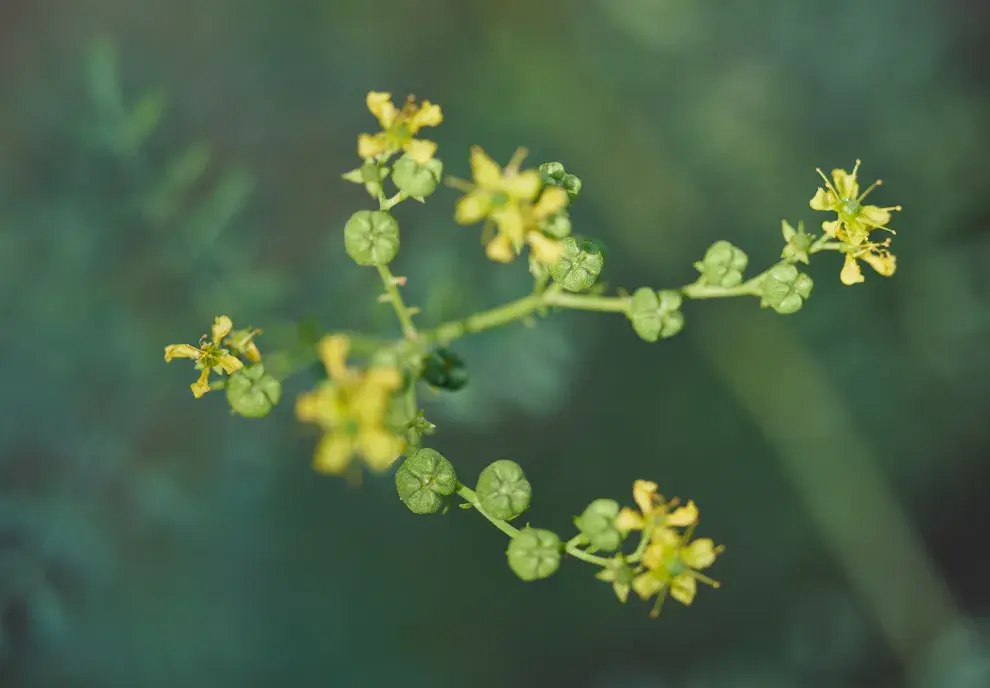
pixel 420 150
pixel 181 351
pixel 384 378
pixel 845 183
pixel 683 589
pixel 851 273
pixel 545 249
pixel 380 105
pixel 874 216
pixel 700 554
pixel 308 407
pixel 644 492
pixel 499 249
pixel 428 115
pixel 333 453
pixel 380 448
pixel 552 200
pixel 884 262
pixel 656 555
pixel 371 146
pixel 683 516
pixel 832 228
pixel 646 585
pixel 202 385
pixel 252 353
pixel 510 222
pixel 333 352
pixel 221 328
pixel 486 172
pixel 523 186
pixel 823 200
pixel 473 207
pixel 230 364
pixel 629 520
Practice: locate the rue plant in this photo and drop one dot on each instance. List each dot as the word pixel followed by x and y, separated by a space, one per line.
pixel 367 408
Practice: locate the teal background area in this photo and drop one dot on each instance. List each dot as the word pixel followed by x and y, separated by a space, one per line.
pixel 164 162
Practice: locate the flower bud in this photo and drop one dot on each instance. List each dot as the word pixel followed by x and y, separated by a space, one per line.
pixel 785 289
pixel 371 237
pixel 444 369
pixel 797 241
pixel 557 225
pixel 656 314
pixel 552 172
pixel 423 480
pixel 534 554
pixel 597 523
pixel 579 265
pixel 572 185
pixel 723 265
pixel 252 392
pixel 503 490
pixel 416 179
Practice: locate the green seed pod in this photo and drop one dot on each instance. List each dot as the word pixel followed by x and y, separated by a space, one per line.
pixel 723 265
pixel 252 392
pixel 656 314
pixel 534 554
pixel 417 180
pixel 557 225
pixel 444 369
pixel 371 237
pixel 785 289
pixel 503 490
pixel 423 480
pixel 572 185
pixel 597 523
pixel 579 265
pixel 552 172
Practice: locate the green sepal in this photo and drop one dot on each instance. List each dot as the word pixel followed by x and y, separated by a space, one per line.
pixel 655 314
pixel 579 265
pixel 722 266
pixel 534 554
pixel 785 289
pixel 597 524
pixel 371 237
pixel 423 480
pixel 416 179
pixel 372 175
pixel 798 242
pixel 503 490
pixel 252 392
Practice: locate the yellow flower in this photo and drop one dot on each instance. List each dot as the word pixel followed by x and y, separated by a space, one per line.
pixel 350 408
pixel 399 128
pixel 855 220
pixel 510 200
pixel 242 341
pixel 873 254
pixel 653 509
pixel 208 355
pixel 672 564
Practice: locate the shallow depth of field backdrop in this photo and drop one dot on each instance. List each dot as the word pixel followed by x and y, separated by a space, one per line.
pixel 164 162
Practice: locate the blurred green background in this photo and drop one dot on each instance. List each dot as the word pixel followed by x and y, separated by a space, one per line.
pixel 163 162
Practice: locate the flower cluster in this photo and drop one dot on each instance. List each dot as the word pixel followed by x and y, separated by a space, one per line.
pixel 515 204
pixel 350 407
pixel 853 224
pixel 211 356
pixel 670 560
pixel 372 412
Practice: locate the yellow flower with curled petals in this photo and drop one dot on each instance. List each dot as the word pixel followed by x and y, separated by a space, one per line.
pixel 855 221
pixel 513 202
pixel 209 355
pixel 350 408
pixel 654 510
pixel 873 254
pixel 672 565
pixel 399 128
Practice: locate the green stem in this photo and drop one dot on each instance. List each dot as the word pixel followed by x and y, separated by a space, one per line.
pixel 608 304
pixel 572 545
pixel 392 290
pixel 750 287
pixel 469 496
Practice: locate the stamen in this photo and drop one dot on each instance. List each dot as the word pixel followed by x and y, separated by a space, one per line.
pixel 658 605
pixel 872 186
pixel 828 183
pixel 856 166
pixel 517 160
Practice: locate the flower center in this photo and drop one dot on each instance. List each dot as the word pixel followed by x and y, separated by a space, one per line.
pixel 850 207
pixel 675 566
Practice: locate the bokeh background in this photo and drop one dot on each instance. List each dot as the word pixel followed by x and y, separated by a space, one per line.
pixel 165 161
